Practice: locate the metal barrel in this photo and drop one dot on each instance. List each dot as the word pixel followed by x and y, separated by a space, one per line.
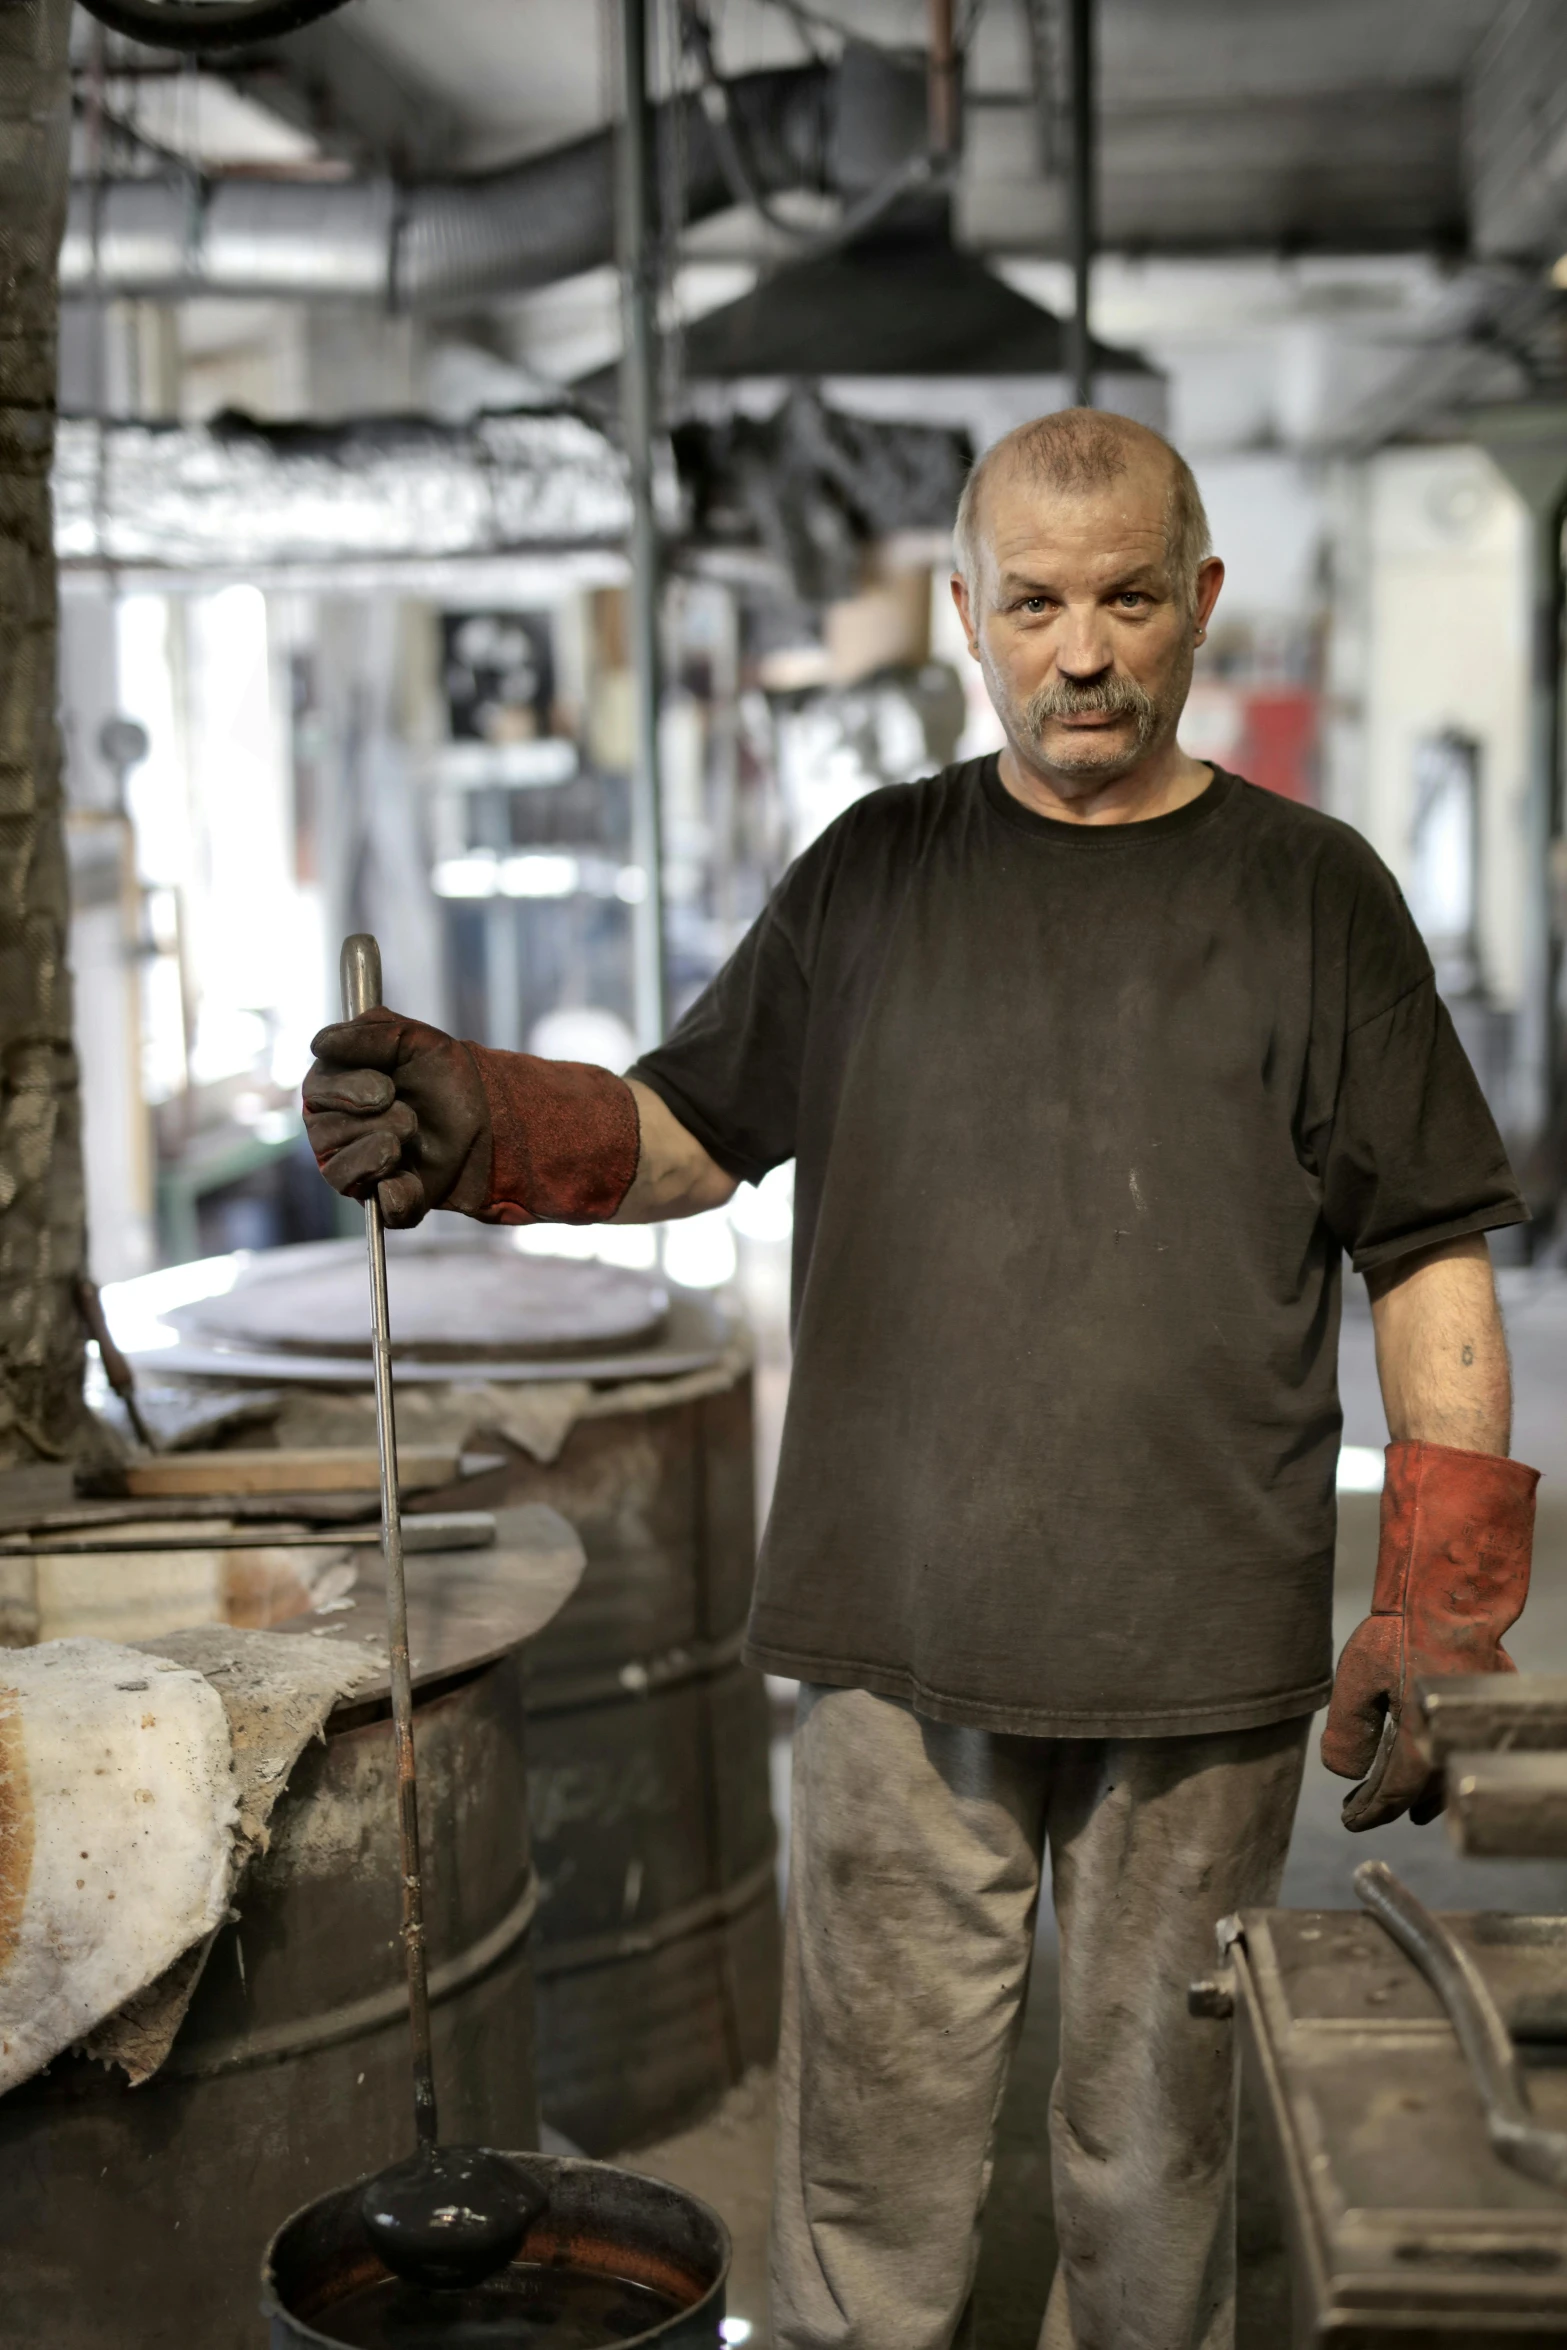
pixel 657 1960
pixel 610 2223
pixel 657 1945
pixel 135 2219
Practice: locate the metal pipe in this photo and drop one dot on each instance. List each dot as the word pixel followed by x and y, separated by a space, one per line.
pixel 943 82
pixel 429 244
pixel 361 977
pixel 638 418
pixel 1081 226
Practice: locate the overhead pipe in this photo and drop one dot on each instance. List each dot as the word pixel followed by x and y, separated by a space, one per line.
pixel 429 244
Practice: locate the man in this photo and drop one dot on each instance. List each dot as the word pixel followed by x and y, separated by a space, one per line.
pixel 1093 1059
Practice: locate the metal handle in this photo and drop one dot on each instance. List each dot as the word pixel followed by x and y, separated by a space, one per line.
pixel 361 977
pixel 1476 2019
pixel 360 969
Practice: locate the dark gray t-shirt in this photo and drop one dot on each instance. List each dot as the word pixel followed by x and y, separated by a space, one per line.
pixel 1083 1118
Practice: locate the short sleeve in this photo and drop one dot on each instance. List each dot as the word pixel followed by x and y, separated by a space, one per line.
pixel 1414 1157
pixel 730 1071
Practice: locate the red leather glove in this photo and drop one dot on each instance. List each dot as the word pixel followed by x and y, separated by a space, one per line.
pixel 1452 1575
pixel 433 1122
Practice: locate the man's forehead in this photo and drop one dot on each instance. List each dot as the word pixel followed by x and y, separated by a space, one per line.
pixel 1024 516
pixel 1138 493
pixel 1094 536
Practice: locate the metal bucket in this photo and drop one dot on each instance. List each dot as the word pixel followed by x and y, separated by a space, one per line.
pixel 134 2219
pixel 657 1945
pixel 608 2223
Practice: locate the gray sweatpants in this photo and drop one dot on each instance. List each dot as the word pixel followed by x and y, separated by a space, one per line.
pixel 915 1860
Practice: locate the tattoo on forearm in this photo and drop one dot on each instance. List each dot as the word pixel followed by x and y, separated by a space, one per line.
pixel 1468 1355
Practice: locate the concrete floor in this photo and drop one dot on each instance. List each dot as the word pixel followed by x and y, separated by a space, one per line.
pixel 728 2159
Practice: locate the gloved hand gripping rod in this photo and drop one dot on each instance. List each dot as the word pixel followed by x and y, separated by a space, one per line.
pixel 447 2216
pixel 361 977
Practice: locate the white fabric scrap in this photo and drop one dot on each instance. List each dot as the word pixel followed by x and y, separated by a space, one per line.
pixel 276 1691
pixel 117 1816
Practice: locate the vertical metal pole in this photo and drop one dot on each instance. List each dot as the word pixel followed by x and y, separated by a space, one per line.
pixel 638 415
pixel 1081 224
pixel 943 101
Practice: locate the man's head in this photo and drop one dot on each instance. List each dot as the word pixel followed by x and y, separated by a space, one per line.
pixel 1085 583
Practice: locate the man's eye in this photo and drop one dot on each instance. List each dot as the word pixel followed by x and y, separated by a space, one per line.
pixel 1131 596
pixel 1036 603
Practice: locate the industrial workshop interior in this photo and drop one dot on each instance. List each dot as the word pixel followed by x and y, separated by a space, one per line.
pixel 684 1663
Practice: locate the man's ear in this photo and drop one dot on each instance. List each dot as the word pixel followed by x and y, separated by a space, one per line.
pixel 1210 578
pixel 960 597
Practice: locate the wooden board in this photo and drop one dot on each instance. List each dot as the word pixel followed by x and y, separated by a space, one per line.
pixel 341 1468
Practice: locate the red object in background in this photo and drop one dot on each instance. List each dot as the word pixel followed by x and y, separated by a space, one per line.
pixel 1278 744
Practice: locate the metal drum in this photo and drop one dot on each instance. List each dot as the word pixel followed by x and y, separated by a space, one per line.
pixel 657 1940
pixel 657 1962
pixel 601 2225
pixel 135 2219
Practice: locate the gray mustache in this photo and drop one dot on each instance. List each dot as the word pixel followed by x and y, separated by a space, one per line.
pixel 1115 697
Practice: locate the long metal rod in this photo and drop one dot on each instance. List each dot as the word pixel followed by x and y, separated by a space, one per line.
pixel 446 1530
pixel 361 972
pixel 639 416
pixel 1081 209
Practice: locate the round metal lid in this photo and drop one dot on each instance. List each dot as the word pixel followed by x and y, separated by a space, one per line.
pixel 450 1300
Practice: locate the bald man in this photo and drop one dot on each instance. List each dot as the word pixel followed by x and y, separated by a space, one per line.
pixel 1094 1061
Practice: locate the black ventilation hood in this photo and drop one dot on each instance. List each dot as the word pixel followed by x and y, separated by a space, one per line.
pixel 902 301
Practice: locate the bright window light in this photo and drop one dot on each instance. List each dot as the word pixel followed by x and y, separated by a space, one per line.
pixel 467 877
pixel 700 1252
pixel 555 1240
pixel 735 2329
pixel 539 876
pixel 1360 1468
pixel 133 1309
pixel 635 1245
pixel 765 1211
pixel 584 1033
pixel 631 885
pixel 228 1039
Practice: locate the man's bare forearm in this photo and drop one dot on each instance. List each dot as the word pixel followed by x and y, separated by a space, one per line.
pixel 675 1176
pixel 1441 1350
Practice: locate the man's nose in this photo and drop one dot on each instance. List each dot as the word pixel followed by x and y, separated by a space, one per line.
pixel 1082 648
